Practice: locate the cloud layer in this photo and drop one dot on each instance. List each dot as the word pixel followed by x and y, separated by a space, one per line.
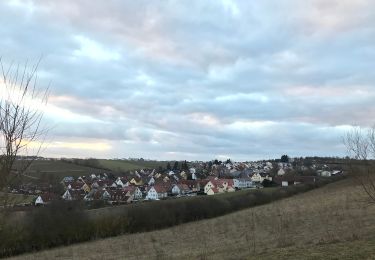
pixel 198 79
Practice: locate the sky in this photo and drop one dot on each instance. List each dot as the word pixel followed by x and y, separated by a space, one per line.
pixel 197 80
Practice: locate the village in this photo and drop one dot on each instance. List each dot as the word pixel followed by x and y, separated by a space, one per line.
pixel 150 185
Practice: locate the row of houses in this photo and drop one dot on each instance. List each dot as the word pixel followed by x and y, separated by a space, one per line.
pixel 120 192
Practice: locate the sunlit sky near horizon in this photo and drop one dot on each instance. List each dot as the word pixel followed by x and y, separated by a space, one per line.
pixel 197 80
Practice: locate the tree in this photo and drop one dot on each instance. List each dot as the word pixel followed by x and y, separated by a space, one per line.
pixel 21 113
pixel 175 166
pixel 360 145
pixel 169 166
pixel 284 158
pixel 185 166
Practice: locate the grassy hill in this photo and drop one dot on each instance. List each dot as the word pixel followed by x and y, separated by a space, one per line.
pixel 122 165
pixel 333 222
pixel 59 169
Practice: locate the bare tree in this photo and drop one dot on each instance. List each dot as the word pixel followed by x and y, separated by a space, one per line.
pixel 21 113
pixel 360 144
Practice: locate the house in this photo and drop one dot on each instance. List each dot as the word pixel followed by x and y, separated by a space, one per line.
pixel 280 172
pixel 95 185
pixel 286 181
pixel 256 177
pixel 119 183
pixel 136 181
pixel 212 191
pixel 90 196
pixel 151 181
pixel 45 198
pixel 183 175
pixel 223 185
pixel 259 177
pixel 156 192
pixel 68 179
pixel 209 186
pixel 202 183
pixel 39 201
pixel 67 195
pixel 134 192
pixel 86 188
pixel 180 189
pixel 102 195
pixel 120 196
pixel 193 185
pixel 324 173
pixel 242 183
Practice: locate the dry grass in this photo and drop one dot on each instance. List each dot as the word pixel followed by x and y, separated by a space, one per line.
pixel 333 220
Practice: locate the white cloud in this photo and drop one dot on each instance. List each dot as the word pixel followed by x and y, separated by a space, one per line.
pixel 94 50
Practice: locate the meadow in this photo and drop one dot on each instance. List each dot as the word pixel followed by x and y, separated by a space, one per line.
pixel 127 165
pixel 58 169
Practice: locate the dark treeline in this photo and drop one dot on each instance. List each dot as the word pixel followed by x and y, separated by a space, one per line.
pixel 63 223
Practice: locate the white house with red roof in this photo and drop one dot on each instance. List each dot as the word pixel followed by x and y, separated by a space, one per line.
pixel 156 192
pixel 219 186
pixel 180 189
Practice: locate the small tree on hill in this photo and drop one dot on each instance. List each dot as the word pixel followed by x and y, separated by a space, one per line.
pixel 20 119
pixel 360 144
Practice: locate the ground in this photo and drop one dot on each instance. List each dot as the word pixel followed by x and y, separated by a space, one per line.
pixel 333 222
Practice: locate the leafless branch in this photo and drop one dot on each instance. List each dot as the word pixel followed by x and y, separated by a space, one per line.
pixel 360 144
pixel 20 117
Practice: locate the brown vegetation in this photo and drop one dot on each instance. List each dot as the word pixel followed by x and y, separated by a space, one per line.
pixel 335 219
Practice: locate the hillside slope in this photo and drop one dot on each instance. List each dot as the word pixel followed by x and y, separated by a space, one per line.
pixel 122 165
pixel 334 221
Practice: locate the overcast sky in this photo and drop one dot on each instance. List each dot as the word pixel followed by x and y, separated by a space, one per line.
pixel 197 79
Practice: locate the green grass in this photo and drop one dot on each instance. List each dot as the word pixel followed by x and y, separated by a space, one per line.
pixel 59 169
pixel 122 165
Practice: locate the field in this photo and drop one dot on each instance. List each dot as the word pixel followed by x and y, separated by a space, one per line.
pixel 59 169
pixel 332 222
pixel 122 165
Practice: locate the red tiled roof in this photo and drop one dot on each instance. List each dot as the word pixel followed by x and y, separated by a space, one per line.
pixel 183 187
pixel 160 189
